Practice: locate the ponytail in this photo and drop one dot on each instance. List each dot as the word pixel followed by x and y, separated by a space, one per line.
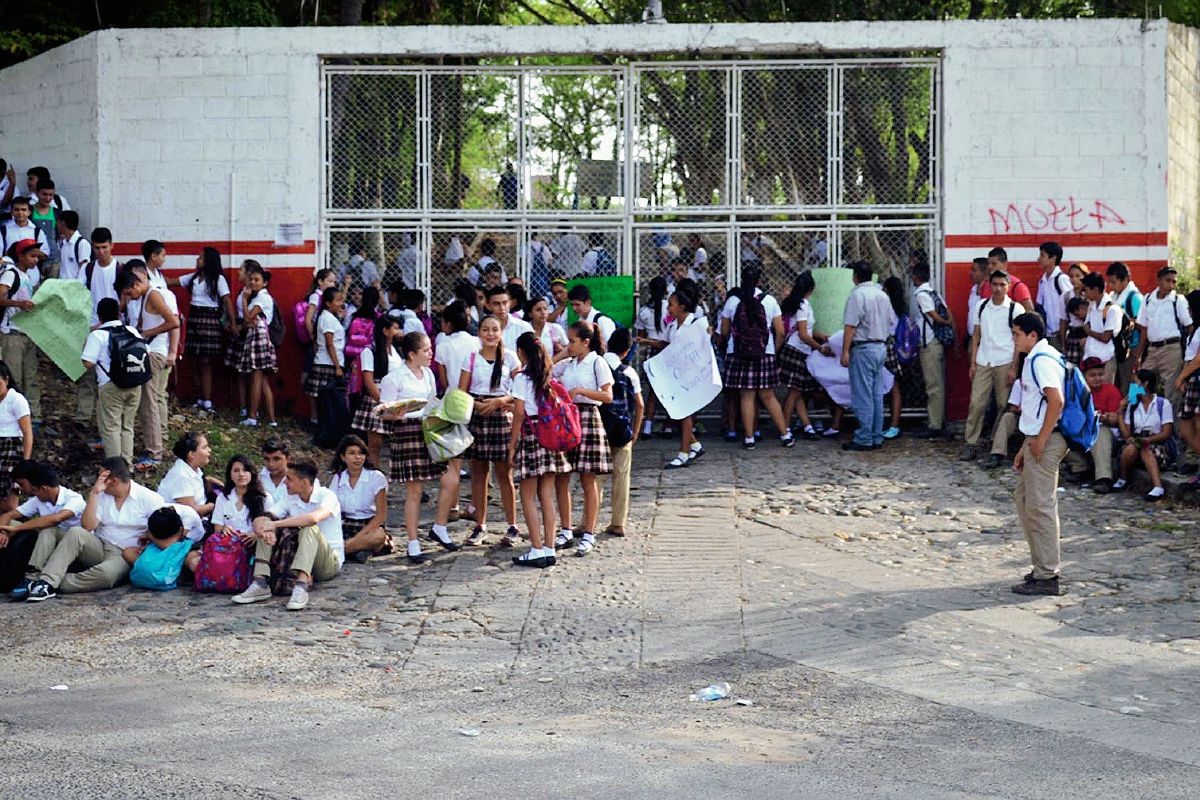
pixel 411 343
pixel 537 363
pixel 589 333
pixel 658 299
pixel 498 367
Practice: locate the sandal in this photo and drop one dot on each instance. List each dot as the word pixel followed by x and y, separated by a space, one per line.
pixel 677 463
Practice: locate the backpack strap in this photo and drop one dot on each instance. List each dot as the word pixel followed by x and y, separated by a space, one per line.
pixel 982 306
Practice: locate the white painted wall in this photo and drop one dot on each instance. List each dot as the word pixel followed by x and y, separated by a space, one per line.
pixel 1183 105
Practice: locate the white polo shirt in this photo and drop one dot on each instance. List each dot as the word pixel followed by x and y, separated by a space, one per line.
pixel 330 527
pixel 358 501
pixel 1052 293
pixel 1163 317
pixel 67 500
pixel 1103 316
pixel 590 372
pixel 995 333
pixel 183 480
pixel 1039 374
pixel 512 331
pixel 123 526
pixel 1149 419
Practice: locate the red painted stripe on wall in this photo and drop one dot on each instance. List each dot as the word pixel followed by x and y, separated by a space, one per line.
pixel 1115 239
pixel 247 247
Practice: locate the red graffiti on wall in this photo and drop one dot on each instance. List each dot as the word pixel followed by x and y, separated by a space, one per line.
pixel 1058 216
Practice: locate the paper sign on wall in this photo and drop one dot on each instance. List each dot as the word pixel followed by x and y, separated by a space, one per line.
pixel 289 234
pixel 685 375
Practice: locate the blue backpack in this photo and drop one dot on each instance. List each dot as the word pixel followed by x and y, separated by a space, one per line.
pixel 908 339
pixel 605 263
pixel 1078 423
pixel 158 568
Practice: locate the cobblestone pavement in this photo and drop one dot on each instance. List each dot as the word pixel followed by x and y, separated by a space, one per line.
pixel 859 601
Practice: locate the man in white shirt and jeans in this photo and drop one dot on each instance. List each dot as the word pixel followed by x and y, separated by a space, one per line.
pixel 1043 375
pixel 1164 325
pixel 114 518
pixel 991 356
pixel 320 551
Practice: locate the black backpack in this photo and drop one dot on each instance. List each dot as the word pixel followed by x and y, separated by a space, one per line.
pixel 12 290
pixel 275 329
pixel 129 358
pixel 1125 335
pixel 750 329
pixel 617 416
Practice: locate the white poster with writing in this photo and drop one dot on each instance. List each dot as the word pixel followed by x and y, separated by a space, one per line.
pixel 685 375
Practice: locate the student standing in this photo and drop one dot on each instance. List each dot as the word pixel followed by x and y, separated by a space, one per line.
pixel 16 435
pixel 1104 320
pixel 622 457
pixel 1187 385
pixel 682 307
pixel 329 343
pixel 793 356
pixel 454 344
pixel 868 321
pixel 1127 298
pixel 535 469
pixel 550 334
pixel 1043 374
pixel 580 298
pixel 361 490
pixel 1163 323
pixel 18 350
pixel 650 326
pixel 991 357
pixel 116 407
pixel 1054 289
pixel 74 250
pixel 153 315
pixel 258 353
pixel 487 375
pixel 587 378
pixel 499 304
pixel 411 463
pixel 932 353
pixel 210 294
pixel 372 371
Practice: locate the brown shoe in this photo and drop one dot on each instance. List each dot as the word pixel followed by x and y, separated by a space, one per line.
pixel 1103 486
pixel 611 531
pixel 1039 587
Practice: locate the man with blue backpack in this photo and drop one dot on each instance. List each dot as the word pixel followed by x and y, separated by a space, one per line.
pixel 1056 414
pixel 937 333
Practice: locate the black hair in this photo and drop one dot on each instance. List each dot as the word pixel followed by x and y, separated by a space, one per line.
pixel 537 363
pixel 187 444
pixel 894 289
pixel 152 246
pixel 45 183
pixel 380 345
pixel 998 274
pixel 70 218
pixel 750 277
pixel 370 304
pixel 495 291
pixel 126 279
pixel 34 472
pixel 464 292
pixel 327 297
pixel 164 523
pixel 413 298
pixel 920 271
pixel 1076 303
pixel 7 376
pixel 304 468
pixel 621 342
pixel 318 277
pixel 1117 270
pixel 21 200
pixel 1052 249
pixel 338 464
pixel 99 235
pixel 1193 301
pixel 1031 322
pixel 38 172
pixel 589 333
pixel 1094 280
pixel 256 496
pixel 658 299
pixel 862 271
pixel 579 292
pixel 517 294
pixel 687 294
pixel 276 444
pixel 1148 378
pixel 980 262
pixel 411 343
pixel 210 270
pixel 531 302
pixel 802 287
pixel 117 466
pixel 455 315
pixel 999 253
pixel 1165 271
pixel 488 247
pixel 108 310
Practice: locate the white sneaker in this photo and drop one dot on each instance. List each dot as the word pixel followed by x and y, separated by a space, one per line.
pixel 256 592
pixel 250 422
pixel 299 598
pixel 562 540
pixel 585 546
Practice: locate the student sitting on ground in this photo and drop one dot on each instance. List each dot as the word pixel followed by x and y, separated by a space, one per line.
pixel 157 561
pixel 1107 400
pixel 186 483
pixel 49 505
pixel 1006 426
pixel 1146 427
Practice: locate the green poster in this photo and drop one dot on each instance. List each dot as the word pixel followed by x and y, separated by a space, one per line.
pixel 59 322
pixel 613 295
pixel 829 298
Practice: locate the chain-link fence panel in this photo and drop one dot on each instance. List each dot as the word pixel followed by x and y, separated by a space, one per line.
pixel 574 142
pixel 889 250
pixel 480 255
pixel 887 134
pixel 676 253
pixel 682 147
pixel 473 140
pixel 783 253
pixel 785 123
pixel 371 145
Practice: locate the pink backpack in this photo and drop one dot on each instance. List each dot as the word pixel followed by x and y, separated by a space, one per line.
pixel 558 420
pixel 224 564
pixel 299 311
pixel 359 337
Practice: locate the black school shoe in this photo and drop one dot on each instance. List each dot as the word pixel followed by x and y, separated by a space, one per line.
pixel 1033 586
pixel 538 562
pixel 449 546
pixel 927 433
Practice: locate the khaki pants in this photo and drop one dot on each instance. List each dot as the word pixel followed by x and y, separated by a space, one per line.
pixel 1037 505
pixel 85 397
pixel 989 382
pixel 622 466
pixel 1100 454
pixel 21 355
pixel 1167 361
pixel 116 411
pixel 1006 426
pixel 313 555
pixel 934 370
pixel 56 550
pixel 152 411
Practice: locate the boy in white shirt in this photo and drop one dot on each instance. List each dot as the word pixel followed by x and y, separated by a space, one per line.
pixel 74 250
pixel 17 283
pixel 1104 320
pixel 49 506
pixel 1164 324
pixel 320 551
pixel 116 408
pixel 20 228
pixel 622 457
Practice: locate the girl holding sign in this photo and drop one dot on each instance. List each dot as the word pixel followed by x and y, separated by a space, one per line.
pixel 682 308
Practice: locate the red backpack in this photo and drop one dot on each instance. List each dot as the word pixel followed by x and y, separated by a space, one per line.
pixel 299 312
pixel 558 420
pixel 224 564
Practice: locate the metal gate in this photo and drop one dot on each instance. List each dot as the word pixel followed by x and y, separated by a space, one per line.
pixel 794 164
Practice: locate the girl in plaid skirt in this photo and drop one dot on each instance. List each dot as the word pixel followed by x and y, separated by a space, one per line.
pixel 210 292
pixel 258 353
pixel 16 435
pixel 588 379
pixel 1146 426
pixel 1076 336
pixel 371 371
pixel 487 375
pixel 411 464
pixel 329 343
pixel 535 468
pixel 793 356
pixel 361 491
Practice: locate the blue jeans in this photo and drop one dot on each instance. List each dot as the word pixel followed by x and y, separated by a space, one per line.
pixel 866 391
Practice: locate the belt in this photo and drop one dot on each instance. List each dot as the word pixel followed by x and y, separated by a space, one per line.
pixel 1164 342
pixel 856 343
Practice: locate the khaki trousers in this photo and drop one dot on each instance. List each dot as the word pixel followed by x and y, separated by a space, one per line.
pixel 152 411
pixel 56 550
pixel 313 555
pixel 116 412
pixel 85 397
pixel 1101 455
pixel 622 466
pixel 989 382
pixel 934 369
pixel 21 354
pixel 1006 426
pixel 1167 361
pixel 1037 505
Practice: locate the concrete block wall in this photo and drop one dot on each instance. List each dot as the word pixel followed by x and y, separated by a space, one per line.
pixel 1183 146
pixel 50 119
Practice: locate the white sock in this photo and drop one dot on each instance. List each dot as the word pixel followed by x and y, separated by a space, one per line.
pixel 589 537
pixel 414 547
pixel 786 436
pixel 748 439
pixel 809 429
pixel 1157 491
pixel 1120 484
pixel 683 456
pixel 696 447
pixel 547 552
pixel 646 427
pixel 440 531
pixel 567 532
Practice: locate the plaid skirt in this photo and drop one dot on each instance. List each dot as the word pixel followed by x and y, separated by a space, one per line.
pixel 11 452
pixel 793 371
pixel 258 352
pixel 351 528
pixel 1073 349
pixel 318 375
pixel 491 436
pixel 1190 405
pixel 533 460
pixel 892 362
pixel 741 373
pixel 365 418
pixel 233 350
pixel 410 456
pixel 204 333
pixel 593 454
